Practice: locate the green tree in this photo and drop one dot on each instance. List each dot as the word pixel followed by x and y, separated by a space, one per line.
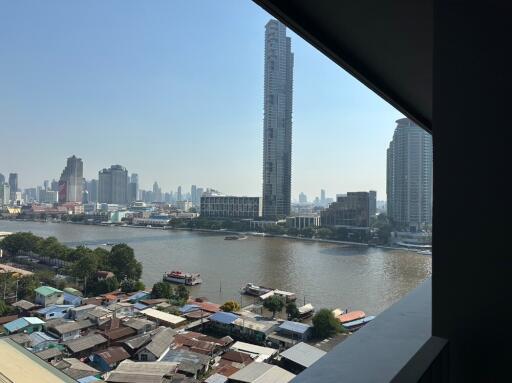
pixel 292 311
pixel 274 304
pixel 307 232
pixel 23 241
pixel 161 290
pixel 181 293
pixel 26 287
pixel 129 285
pixel 139 286
pixel 324 233
pixel 230 306
pixel 325 324
pixel 104 286
pixel 51 247
pixel 4 308
pixel 123 264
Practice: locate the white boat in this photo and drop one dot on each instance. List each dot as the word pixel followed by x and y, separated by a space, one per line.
pixel 255 290
pixel 306 311
pixel 182 278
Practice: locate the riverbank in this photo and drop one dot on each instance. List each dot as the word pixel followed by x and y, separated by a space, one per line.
pixel 222 231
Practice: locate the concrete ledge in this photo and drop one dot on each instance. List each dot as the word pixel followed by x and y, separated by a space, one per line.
pixel 381 349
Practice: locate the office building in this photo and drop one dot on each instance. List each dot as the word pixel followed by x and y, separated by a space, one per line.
pixel 322 197
pixel 373 203
pixel 92 188
pixel 179 196
pixel 193 194
pixel 303 198
pixel 157 193
pixel 277 122
pixel 302 221
pixel 184 206
pixel 5 194
pixel 133 188
pixel 230 206
pixel 351 210
pixel 71 181
pixel 2 179
pixel 409 176
pixel 113 185
pixel 13 185
pixel 48 196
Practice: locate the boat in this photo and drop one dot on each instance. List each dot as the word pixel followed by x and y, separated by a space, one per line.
pixel 357 324
pixel 351 316
pixel 286 295
pixel 231 237
pixel 182 278
pixel 255 290
pixel 306 311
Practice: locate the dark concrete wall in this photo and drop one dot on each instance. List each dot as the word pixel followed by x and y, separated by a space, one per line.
pixel 472 261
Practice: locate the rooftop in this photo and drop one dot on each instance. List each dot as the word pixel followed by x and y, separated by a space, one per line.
pixel 262 373
pixel 303 354
pixel 85 342
pixel 21 323
pixel 25 305
pixel 223 317
pixel 47 291
pixel 163 316
pixel 297 327
pixel 161 341
pixel 113 355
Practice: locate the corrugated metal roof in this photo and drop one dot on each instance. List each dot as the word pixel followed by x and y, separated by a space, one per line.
pixel 25 305
pixel 21 323
pixel 161 342
pixel 262 373
pixel 113 355
pixel 216 378
pixel 85 342
pixel 189 308
pixel 47 290
pixel 303 354
pixel 34 320
pixel 253 349
pixel 49 353
pixel 223 317
pixel 40 337
pixel 296 327
pixel 53 309
pixel 163 316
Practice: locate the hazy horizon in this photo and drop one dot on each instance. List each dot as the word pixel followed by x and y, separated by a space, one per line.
pixel 173 91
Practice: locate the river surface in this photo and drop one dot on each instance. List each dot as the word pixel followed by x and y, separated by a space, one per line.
pixel 324 274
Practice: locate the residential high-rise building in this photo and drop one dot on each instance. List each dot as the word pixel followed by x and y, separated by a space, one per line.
pixel 277 122
pixel 322 196
pixel 409 176
pixel 179 196
pixel 193 194
pixel 113 185
pixel 13 185
pixel 54 185
pixel 5 194
pixel 71 181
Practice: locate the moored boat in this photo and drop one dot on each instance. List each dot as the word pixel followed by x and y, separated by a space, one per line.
pixel 255 290
pixel 231 237
pixel 357 324
pixel 306 311
pixel 182 278
pixel 351 316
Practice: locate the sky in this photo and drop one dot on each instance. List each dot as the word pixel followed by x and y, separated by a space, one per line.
pixel 173 91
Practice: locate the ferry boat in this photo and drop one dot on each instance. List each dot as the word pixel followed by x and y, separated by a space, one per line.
pixel 182 278
pixel 255 290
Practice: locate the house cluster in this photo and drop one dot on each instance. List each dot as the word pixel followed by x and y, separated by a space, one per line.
pixel 130 337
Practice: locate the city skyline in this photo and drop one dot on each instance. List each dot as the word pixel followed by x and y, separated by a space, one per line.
pixel 133 95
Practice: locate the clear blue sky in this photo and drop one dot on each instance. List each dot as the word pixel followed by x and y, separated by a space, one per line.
pixel 173 90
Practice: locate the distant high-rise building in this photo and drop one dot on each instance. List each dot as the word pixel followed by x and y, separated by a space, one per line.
pixel 133 188
pixel 92 189
pixel 46 184
pixel 199 194
pixel 303 198
pixel 193 194
pixel 409 176
pixel 54 185
pixel 157 193
pixel 179 196
pixel 13 185
pixel 322 196
pixel 277 122
pixel 48 196
pixel 2 179
pixel 113 185
pixel 5 194
pixel 373 203
pixel 71 181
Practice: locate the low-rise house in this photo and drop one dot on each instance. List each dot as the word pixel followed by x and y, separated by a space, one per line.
pixel 41 341
pixel 159 344
pixel 151 372
pixel 76 369
pixel 8 318
pixel 99 315
pixel 85 344
pixel 261 373
pixel 255 329
pixel 231 362
pixel 140 325
pixel 115 335
pixel 53 311
pixel 205 305
pixel 138 296
pixel 63 330
pixel 190 363
pixel 71 299
pixel 81 312
pixel 150 302
pixel 295 330
pixel 24 307
pixel 134 343
pixel 49 354
pixel 22 339
pixel 299 357
pixel 223 321
pixel 258 353
pixel 163 318
pixel 109 358
pixel 47 295
pixel 26 324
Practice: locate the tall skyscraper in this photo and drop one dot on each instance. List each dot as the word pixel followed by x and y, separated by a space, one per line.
pixel 193 194
pixel 5 194
pixel 2 179
pixel 179 196
pixel 409 176
pixel 71 181
pixel 157 193
pixel 322 196
pixel 113 185
pixel 13 185
pixel 277 122
pixel 46 184
pixel 303 198
pixel 92 189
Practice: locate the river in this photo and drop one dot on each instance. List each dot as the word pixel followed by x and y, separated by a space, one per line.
pixel 324 274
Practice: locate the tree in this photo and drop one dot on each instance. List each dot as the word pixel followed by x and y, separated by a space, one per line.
pixel 230 306
pixel 324 233
pixel 4 308
pixel 161 290
pixel 139 286
pixel 307 232
pixel 274 304
pixel 292 311
pixel 26 287
pixel 104 286
pixel 127 285
pixel 122 262
pixel 181 292
pixel 325 324
pixel 20 241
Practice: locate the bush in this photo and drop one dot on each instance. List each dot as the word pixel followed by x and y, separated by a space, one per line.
pixel 325 324
pixel 230 306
